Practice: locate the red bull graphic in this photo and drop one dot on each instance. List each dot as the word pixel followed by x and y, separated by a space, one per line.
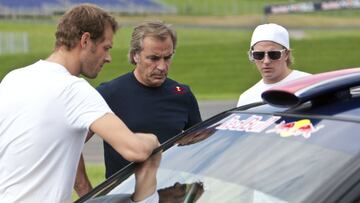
pixel 178 90
pixel 302 127
pixel 252 124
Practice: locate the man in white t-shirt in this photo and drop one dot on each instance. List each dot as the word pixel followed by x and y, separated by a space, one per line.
pixel 47 110
pixel 271 53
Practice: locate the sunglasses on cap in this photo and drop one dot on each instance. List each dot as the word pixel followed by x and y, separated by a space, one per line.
pixel 273 55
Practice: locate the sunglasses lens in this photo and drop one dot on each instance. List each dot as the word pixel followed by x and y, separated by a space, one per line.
pixel 274 55
pixel 258 55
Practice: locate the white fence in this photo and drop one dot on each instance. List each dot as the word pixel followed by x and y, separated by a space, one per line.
pixel 14 42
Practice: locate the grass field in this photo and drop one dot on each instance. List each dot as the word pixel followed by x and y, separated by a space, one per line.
pixel 211 59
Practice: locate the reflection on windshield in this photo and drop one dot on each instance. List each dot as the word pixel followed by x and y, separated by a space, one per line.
pixel 201 134
pixel 196 136
pixel 178 193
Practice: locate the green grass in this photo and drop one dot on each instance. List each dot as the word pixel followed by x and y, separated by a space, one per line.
pixel 212 61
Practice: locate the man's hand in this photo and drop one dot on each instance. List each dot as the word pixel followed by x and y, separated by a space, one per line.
pixel 145 176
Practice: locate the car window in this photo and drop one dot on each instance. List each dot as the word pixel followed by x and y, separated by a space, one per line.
pixel 255 158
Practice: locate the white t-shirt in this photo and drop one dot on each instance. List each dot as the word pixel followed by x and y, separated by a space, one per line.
pixel 45 115
pixel 253 94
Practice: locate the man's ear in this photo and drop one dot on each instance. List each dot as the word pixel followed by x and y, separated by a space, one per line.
pixel 136 58
pixel 85 37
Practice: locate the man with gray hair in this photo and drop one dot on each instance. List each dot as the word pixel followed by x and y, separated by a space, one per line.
pixel 271 53
pixel 146 99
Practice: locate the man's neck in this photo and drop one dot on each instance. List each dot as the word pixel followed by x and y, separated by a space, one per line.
pixel 67 59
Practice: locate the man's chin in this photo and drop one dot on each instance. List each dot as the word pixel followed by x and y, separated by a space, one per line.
pixel 268 77
pixel 91 76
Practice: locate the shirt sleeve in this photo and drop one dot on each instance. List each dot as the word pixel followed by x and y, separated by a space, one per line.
pixel 104 90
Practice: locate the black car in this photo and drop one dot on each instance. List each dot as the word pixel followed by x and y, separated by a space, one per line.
pixel 300 145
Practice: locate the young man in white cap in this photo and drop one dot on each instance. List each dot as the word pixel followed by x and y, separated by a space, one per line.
pixel 270 51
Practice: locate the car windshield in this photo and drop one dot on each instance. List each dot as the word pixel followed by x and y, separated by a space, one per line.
pixel 253 158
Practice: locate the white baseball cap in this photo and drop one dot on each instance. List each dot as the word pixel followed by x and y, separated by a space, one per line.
pixel 270 32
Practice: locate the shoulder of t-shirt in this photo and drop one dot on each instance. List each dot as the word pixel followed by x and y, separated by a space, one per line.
pixel 300 73
pixel 176 86
pixel 108 87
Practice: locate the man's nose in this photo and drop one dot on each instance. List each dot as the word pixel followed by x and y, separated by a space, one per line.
pixel 163 64
pixel 108 58
pixel 266 59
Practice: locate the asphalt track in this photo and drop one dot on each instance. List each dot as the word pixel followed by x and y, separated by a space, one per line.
pixel 93 150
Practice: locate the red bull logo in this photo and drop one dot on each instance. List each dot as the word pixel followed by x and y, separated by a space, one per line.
pixel 178 90
pixel 302 127
pixel 253 123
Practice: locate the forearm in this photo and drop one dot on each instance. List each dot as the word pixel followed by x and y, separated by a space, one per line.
pixel 145 186
pixel 133 147
pixel 145 178
pixel 82 183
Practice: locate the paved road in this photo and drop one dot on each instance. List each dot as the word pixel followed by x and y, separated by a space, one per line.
pixel 93 151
